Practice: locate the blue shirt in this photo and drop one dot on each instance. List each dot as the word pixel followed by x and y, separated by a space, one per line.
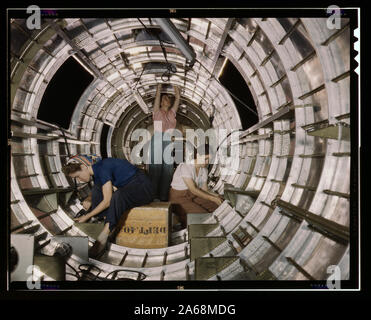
pixel 118 171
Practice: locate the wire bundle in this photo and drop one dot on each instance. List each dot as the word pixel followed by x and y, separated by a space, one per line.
pixel 85 274
pixel 170 68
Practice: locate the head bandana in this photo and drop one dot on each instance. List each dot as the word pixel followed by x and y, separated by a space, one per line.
pixel 84 159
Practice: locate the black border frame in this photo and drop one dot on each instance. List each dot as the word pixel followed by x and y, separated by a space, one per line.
pixel 205 285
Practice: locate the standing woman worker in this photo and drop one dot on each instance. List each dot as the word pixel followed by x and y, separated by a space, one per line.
pixel 133 189
pixel 164 118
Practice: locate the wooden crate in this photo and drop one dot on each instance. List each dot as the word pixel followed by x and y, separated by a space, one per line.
pixel 145 227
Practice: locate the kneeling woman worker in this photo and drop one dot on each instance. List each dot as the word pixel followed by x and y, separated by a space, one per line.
pixel 133 189
pixel 189 192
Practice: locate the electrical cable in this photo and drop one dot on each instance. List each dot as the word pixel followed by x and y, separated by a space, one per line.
pixel 140 76
pixel 65 140
pixel 126 270
pixel 73 275
pixel 86 274
pixel 169 66
pixel 87 271
pixel 69 156
pixel 76 272
pixel 239 100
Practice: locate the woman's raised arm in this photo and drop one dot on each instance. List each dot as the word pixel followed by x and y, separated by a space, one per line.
pixel 156 104
pixel 177 99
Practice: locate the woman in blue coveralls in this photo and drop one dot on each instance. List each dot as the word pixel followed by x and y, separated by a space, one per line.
pixel 133 189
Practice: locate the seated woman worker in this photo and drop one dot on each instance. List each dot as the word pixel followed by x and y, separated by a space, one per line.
pixel 189 192
pixel 133 189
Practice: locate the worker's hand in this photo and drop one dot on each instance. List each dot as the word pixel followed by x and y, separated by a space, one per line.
pixel 86 204
pixel 217 200
pixel 176 89
pixel 82 219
